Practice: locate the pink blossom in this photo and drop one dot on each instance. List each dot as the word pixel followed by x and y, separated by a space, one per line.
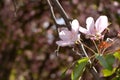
pixel 94 30
pixel 69 37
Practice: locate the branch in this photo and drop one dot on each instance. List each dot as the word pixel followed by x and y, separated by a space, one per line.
pixel 62 12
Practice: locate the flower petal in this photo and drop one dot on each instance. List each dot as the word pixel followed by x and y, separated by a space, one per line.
pixel 65 35
pixel 74 36
pixel 75 25
pixel 83 30
pixel 101 23
pixel 64 43
pixel 90 25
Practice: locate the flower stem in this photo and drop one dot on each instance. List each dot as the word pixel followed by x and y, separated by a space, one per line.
pixel 96 46
pixel 87 56
pixel 87 47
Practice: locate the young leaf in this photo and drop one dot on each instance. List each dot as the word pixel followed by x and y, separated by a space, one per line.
pixel 117 55
pixel 107 72
pixel 79 68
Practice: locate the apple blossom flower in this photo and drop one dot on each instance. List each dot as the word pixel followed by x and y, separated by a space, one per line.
pixel 69 37
pixel 94 30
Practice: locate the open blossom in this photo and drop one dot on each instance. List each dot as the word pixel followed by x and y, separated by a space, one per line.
pixel 69 37
pixel 94 30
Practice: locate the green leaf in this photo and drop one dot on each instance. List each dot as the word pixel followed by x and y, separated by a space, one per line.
pixel 105 62
pixel 79 68
pixel 107 72
pixel 117 55
pixel 110 59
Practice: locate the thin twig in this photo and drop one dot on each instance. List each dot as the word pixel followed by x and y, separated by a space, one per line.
pixel 15 7
pixel 62 12
pixel 95 75
pixel 96 46
pixel 87 47
pixel 57 50
pixel 92 69
pixel 52 12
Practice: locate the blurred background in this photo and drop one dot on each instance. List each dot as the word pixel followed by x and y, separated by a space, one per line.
pixel 28 35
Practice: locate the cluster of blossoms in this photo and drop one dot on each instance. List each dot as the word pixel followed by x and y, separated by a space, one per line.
pixel 93 30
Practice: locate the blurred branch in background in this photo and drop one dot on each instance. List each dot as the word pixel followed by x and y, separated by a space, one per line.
pixel 15 7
